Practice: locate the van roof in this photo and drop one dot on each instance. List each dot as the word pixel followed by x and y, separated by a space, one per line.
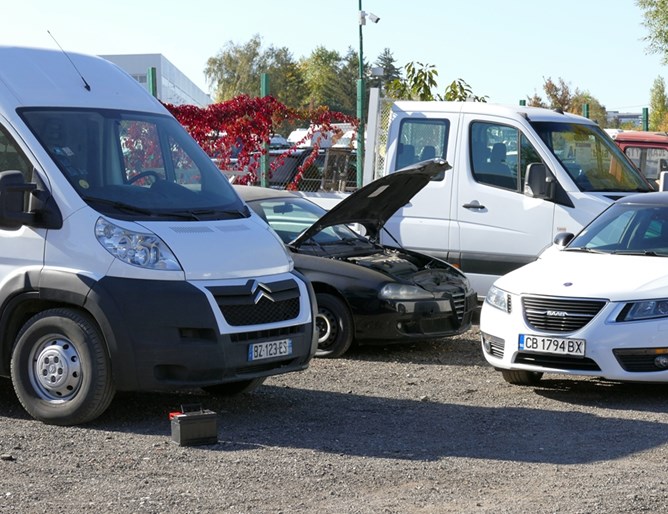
pixel 641 136
pixel 38 77
pixel 510 111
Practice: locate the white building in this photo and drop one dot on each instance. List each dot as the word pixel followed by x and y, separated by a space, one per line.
pixel 173 86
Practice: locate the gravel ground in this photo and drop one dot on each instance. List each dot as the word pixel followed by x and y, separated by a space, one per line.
pixel 417 428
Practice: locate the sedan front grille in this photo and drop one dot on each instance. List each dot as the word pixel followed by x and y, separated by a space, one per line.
pixel 559 314
pixel 565 362
pixel 459 301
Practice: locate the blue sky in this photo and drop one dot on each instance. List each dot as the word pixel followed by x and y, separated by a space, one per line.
pixel 503 50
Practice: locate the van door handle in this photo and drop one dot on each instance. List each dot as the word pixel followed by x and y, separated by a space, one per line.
pixel 475 204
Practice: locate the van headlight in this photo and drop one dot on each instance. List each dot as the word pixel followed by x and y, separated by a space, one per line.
pixel 396 291
pixel 142 249
pixel 647 309
pixel 498 298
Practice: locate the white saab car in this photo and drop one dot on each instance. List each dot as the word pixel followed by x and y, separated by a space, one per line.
pixel 595 304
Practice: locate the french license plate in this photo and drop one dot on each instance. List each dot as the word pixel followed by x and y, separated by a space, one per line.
pixel 269 349
pixel 555 345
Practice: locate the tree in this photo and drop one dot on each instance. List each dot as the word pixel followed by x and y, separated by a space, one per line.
pixel 420 82
pixel 387 62
pixel 655 13
pixel 559 96
pixel 658 104
pixel 321 76
pixel 236 70
pixel 247 123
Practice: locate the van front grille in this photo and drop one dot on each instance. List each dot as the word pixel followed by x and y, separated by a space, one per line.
pixel 257 303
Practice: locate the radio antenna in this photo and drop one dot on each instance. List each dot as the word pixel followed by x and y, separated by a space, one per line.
pixel 86 85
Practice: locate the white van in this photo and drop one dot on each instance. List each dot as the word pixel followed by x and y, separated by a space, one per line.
pixel 127 261
pixel 519 176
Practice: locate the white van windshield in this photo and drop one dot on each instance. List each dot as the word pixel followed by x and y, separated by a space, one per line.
pixel 134 165
pixel 592 160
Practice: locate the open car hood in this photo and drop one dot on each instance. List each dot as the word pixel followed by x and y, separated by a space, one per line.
pixel 372 205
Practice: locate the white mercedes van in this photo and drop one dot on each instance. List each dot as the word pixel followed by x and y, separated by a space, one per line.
pixel 127 261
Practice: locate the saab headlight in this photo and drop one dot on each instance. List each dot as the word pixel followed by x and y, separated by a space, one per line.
pixel 142 249
pixel 646 309
pixel 498 298
pixel 395 291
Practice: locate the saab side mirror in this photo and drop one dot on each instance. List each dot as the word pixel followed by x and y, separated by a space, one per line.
pixel 539 182
pixel 563 238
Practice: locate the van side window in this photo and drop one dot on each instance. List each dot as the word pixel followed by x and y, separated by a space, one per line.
pixel 11 156
pixel 498 152
pixel 421 140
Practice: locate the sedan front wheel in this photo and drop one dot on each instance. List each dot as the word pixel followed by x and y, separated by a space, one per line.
pixel 335 326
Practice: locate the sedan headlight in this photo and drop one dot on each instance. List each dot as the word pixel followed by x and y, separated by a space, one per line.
pixel 395 291
pixel 647 309
pixel 145 250
pixel 498 298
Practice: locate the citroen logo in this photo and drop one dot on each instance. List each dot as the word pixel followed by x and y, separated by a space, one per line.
pixel 260 291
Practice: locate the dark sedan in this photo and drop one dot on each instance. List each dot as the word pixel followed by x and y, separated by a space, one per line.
pixel 367 292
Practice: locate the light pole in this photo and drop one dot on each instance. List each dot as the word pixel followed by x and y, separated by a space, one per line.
pixel 360 95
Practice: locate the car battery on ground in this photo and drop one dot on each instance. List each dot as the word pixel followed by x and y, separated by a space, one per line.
pixel 193 425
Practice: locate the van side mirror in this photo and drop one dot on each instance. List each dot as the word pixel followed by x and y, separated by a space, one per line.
pixel 539 182
pixel 12 200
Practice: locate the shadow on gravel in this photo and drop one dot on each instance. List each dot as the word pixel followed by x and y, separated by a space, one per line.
pixel 605 394
pixel 379 427
pixel 463 350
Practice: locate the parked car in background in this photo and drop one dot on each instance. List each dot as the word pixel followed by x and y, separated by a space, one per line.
pixel 595 304
pixel 647 150
pixel 367 292
pixel 332 168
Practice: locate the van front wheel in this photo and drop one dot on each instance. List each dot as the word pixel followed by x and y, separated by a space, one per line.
pixel 60 368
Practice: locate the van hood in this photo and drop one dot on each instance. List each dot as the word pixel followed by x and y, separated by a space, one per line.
pixel 223 249
pixel 586 275
pixel 372 205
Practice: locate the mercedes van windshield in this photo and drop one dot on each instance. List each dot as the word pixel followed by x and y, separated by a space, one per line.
pixel 591 159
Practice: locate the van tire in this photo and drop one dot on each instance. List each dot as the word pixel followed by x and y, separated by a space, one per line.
pixel 60 368
pixel 334 324
pixel 521 377
pixel 231 389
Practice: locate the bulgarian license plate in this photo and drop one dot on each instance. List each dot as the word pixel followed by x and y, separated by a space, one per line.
pixel 555 345
pixel 269 349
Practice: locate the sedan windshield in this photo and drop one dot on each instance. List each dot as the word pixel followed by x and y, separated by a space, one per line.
pixel 592 160
pixel 626 229
pixel 134 165
pixel 289 217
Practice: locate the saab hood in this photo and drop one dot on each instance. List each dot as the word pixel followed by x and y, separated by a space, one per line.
pixel 583 275
pixel 372 205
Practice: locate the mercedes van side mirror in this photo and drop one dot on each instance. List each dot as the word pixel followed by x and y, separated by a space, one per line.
pixel 13 189
pixel 539 182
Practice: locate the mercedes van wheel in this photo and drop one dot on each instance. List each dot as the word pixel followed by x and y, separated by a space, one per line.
pixel 234 388
pixel 60 368
pixel 521 377
pixel 334 324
